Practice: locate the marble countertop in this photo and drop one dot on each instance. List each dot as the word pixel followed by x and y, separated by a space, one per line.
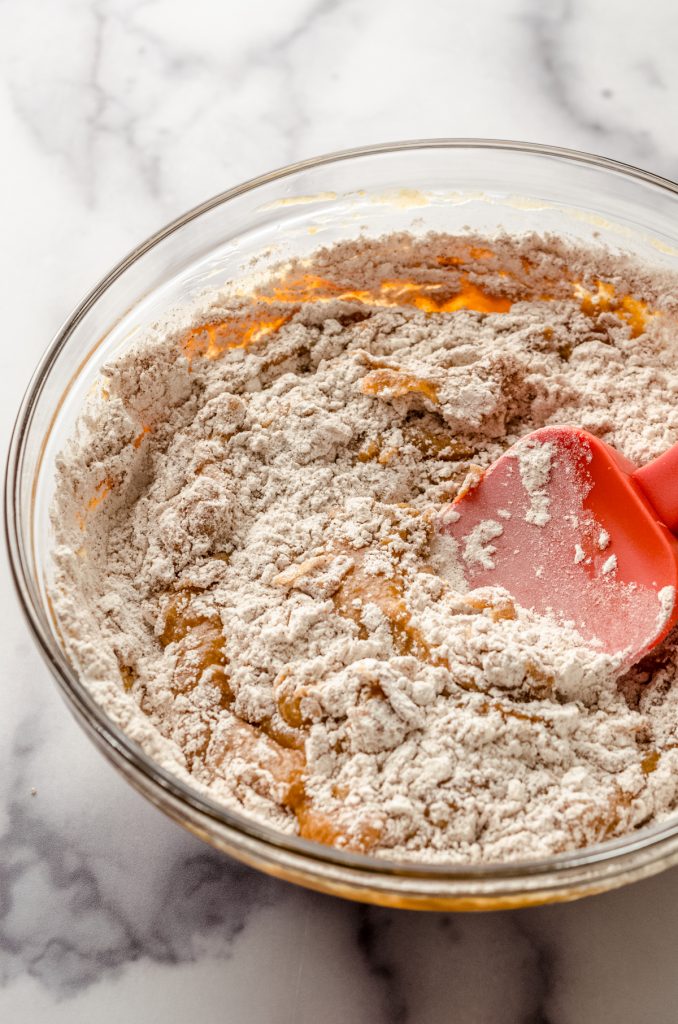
pixel 117 115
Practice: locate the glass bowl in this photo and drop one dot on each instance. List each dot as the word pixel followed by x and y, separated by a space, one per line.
pixel 446 185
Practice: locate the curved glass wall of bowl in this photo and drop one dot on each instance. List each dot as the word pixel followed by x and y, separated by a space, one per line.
pixel 442 185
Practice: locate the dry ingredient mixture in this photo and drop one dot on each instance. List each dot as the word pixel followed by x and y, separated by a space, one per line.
pixel 249 578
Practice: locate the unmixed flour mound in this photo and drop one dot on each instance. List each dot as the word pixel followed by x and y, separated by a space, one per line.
pixel 249 578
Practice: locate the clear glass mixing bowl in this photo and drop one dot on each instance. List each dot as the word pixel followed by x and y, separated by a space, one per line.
pixel 446 185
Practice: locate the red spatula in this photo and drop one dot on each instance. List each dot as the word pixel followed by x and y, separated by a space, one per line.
pixel 572 529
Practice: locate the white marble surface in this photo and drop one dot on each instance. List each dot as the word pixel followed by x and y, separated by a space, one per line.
pixel 116 115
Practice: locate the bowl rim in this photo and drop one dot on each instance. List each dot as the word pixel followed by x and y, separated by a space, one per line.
pixel 115 741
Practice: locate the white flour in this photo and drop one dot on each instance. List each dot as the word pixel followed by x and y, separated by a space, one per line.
pixel 479 548
pixel 534 461
pixel 248 580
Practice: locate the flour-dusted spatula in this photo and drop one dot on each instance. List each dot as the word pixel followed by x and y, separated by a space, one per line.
pixel 571 528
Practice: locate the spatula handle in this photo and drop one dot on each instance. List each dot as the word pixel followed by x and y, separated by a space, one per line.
pixel 659 482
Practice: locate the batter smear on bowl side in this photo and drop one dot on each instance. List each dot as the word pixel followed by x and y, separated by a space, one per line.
pixel 248 578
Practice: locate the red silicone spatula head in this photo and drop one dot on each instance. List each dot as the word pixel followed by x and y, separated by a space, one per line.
pixel 562 523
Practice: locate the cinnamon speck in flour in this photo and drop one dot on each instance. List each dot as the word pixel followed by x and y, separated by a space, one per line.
pixel 248 578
